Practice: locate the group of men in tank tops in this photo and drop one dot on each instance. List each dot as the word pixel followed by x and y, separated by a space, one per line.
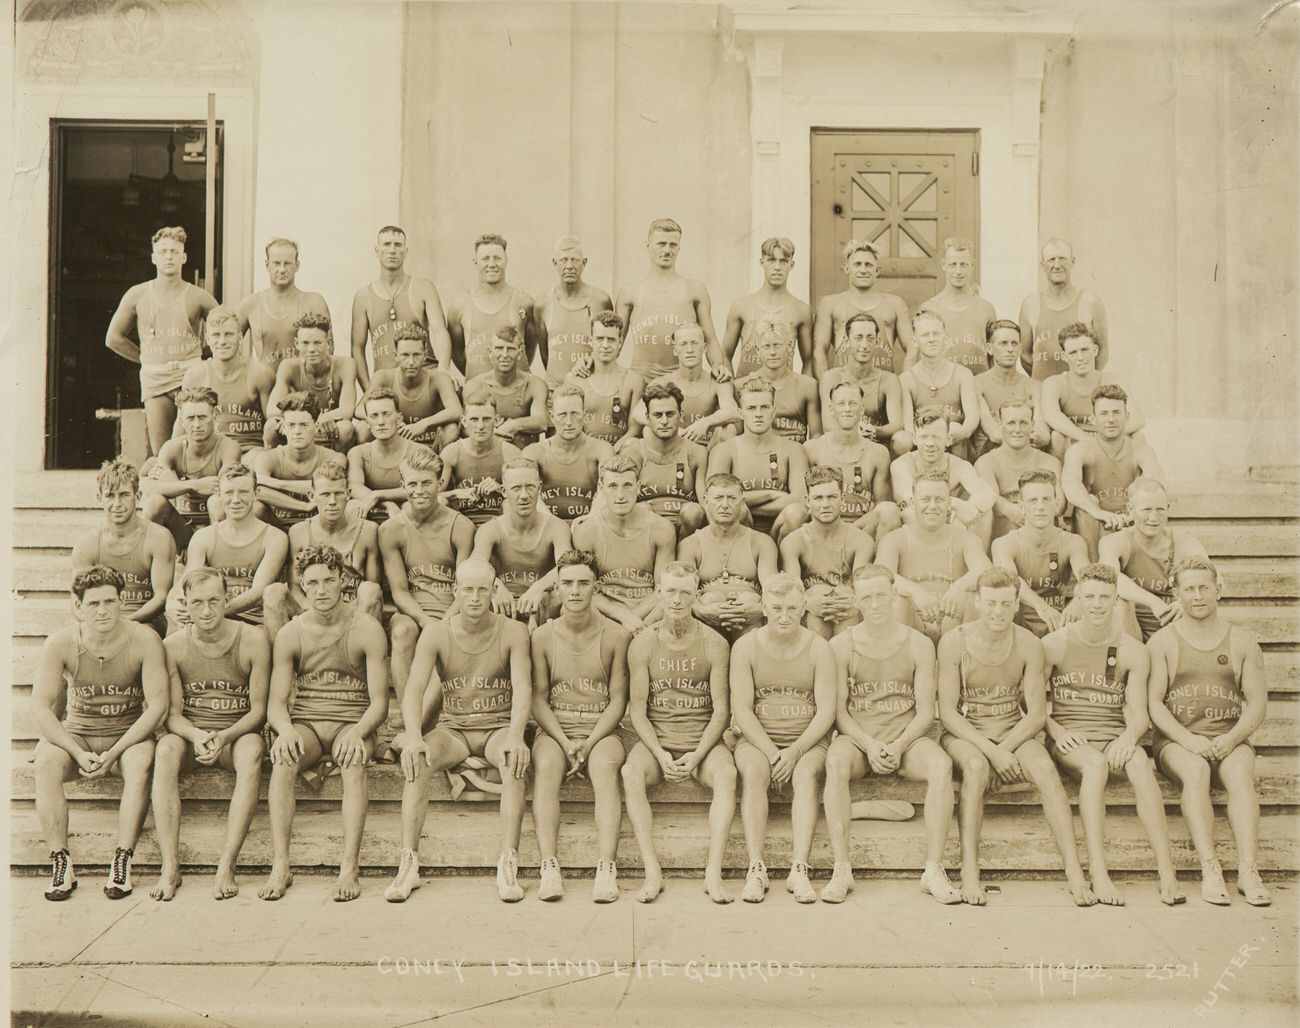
pixel 705 565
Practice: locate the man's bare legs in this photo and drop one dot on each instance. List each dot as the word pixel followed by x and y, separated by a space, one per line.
pixel 246 757
pixel 1192 773
pixel 281 805
pixel 1237 772
pixel 1040 770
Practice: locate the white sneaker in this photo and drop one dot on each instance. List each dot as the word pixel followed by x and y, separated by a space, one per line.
pixel 407 880
pixel 606 888
pixel 62 878
pixel 1213 889
pixel 796 882
pixel 840 885
pixel 119 877
pixel 1250 885
pixel 756 884
pixel 552 886
pixel 934 881
pixel 508 887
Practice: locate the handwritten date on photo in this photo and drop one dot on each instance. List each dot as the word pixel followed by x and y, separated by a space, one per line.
pixel 1045 973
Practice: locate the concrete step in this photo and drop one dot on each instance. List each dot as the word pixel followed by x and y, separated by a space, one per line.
pixel 469 838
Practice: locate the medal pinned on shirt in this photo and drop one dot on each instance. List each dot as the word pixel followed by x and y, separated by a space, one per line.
pixel 773 465
pixel 1053 562
pixel 1112 661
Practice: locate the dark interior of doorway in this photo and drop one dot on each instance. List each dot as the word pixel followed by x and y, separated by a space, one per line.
pixel 112 184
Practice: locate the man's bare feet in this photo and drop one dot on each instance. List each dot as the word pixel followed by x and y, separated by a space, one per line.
pixel 277 884
pixel 224 886
pixel 348 886
pixel 1079 891
pixel 1104 889
pixel 972 890
pixel 654 885
pixel 1171 895
pixel 165 888
pixel 714 887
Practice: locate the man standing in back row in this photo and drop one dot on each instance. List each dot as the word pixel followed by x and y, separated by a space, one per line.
pixel 1043 315
pixel 966 315
pixel 563 314
pixel 772 301
pixel 830 341
pixel 492 306
pixel 270 315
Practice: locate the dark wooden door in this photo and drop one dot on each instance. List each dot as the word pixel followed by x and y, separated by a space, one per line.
pixel 904 191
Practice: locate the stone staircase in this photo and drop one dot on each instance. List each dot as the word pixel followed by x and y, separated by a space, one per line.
pixel 1249 528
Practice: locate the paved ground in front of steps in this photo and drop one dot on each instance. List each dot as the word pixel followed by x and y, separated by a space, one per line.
pixel 888 956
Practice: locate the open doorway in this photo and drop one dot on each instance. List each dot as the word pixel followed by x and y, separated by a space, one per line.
pixel 112 184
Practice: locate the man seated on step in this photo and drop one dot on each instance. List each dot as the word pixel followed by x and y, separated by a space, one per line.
pixel 143 553
pixel 1002 383
pixel 770 468
pixel 422 545
pixel 284 473
pixel 1097 472
pixel 179 490
pixel 1097 676
pixel 863 466
pixel 243 384
pixel 329 697
pixel 708 411
pixel 1048 560
pixel 374 468
pixel 782 710
pixel 249 553
pixel 522 545
pixel 1146 553
pixel 472 697
pixel 882 397
pixel 471 466
pixel 824 553
pixel 109 675
pixel 520 395
pixel 931 454
pixel 935 560
pixel 611 391
pixel 569 461
pixel 797 414
pixel 1002 466
pixel 935 380
pixel 1208 696
pixel 315 370
pixel 579 696
pixel 631 545
pixel 733 562
pixel 427 399
pixel 671 468
pixel 993 705
pixel 679 706
pixel 220 672
pixel 1067 397
pixel 885 710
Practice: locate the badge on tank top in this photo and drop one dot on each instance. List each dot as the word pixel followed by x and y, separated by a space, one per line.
pixel 1053 562
pixel 772 464
pixel 681 472
pixel 1223 659
pixel 616 407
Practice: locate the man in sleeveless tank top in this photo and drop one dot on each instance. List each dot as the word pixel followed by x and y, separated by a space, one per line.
pixel 732 561
pixel 427 398
pixel 564 313
pixel 824 553
pixel 109 675
pixel 473 675
pixel 522 545
pixel 932 456
pixel 782 711
pixel 1145 554
pixel 220 671
pixel 493 304
pixel 1208 696
pixel 569 460
pixel 797 413
pixel 1044 314
pixel 885 708
pixel 935 380
pixel 631 545
pixel 993 706
pixel 772 301
pixel 670 474
pixel 882 397
pixel 708 409
pixel 1097 472
pixel 166 314
pixel 249 553
pixel 863 465
pixel 936 561
pixel 579 696
pixel 771 468
pixel 966 315
pixel 422 545
pixel 243 384
pixel 679 706
pixel 1002 383
pixel 328 699
pixel 611 391
pixel 862 266
pixel 331 380
pixel 1097 682
pixel 268 315
pixel 471 466
pixel 520 395
pixel 143 553
pixel 1002 467
pixel 284 472
pixel 1047 559
pixel 396 300
pixel 662 300
pixel 1067 397
pixel 374 476
pixel 180 490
